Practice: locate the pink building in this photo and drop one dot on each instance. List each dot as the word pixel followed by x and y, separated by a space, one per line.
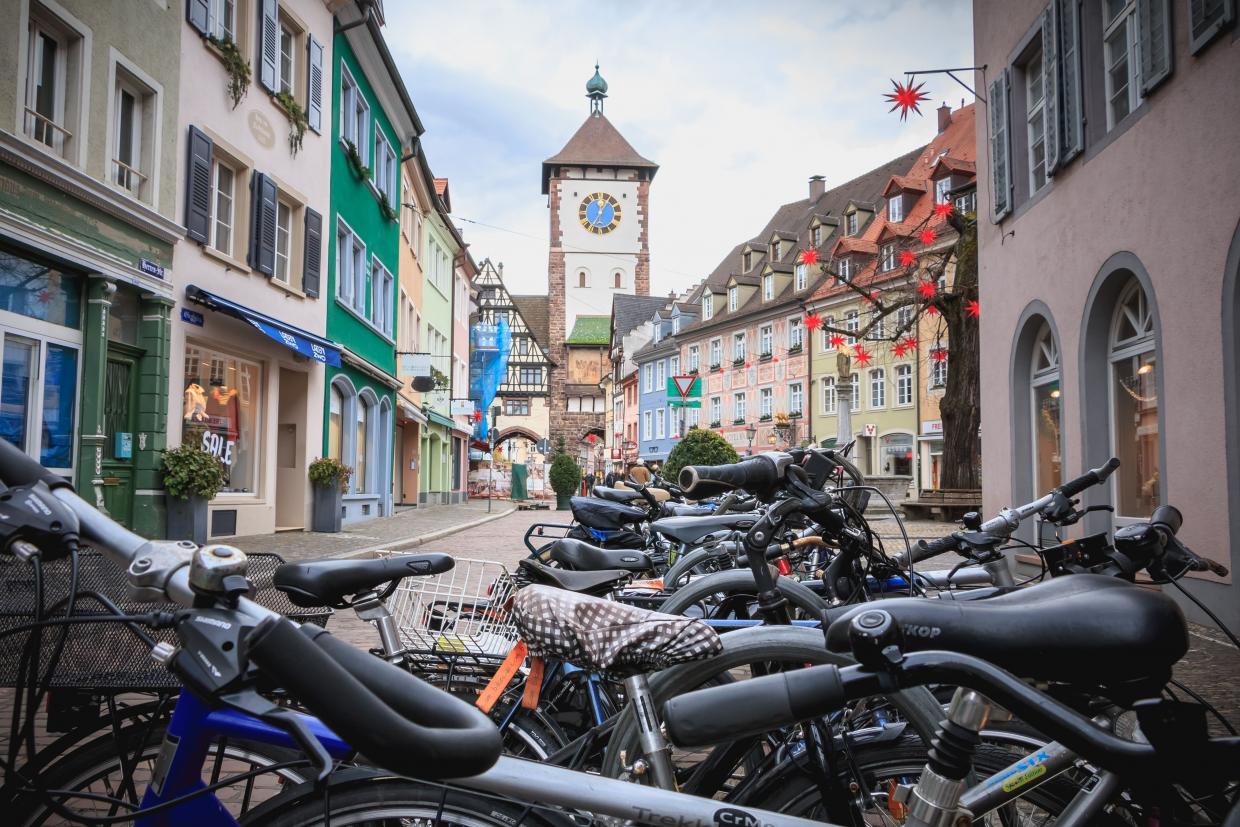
pixel 1109 244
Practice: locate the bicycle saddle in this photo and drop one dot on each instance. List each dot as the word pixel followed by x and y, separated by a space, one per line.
pixel 679 510
pixel 328 582
pixel 1085 628
pixel 601 636
pixel 692 529
pixel 581 556
pixel 616 495
pixel 584 582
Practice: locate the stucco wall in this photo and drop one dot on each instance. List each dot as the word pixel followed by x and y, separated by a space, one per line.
pixel 600 256
pixel 1163 190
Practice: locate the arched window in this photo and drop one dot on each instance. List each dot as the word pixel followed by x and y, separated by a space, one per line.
pixel 1045 391
pixel 361 481
pixel 335 425
pixel 581 279
pixel 1134 404
pixel 619 279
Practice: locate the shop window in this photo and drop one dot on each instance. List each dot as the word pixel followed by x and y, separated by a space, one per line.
pixel 896 452
pixel 38 398
pixel 220 412
pixel 335 424
pixel 1045 390
pixel 1134 400
pixel 124 316
pixel 361 444
pixel 39 291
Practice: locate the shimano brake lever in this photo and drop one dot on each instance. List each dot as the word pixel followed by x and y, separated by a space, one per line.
pixel 287 721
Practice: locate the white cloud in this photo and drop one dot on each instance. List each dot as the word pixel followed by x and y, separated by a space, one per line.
pixel 738 102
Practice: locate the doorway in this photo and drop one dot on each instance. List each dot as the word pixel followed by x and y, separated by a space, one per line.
pixel 120 391
pixel 291 472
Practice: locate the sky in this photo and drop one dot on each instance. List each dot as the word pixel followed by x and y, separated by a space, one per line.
pixel 738 102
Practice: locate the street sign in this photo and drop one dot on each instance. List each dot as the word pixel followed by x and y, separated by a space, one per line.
pixel 685 387
pixel 415 364
pixel 684 403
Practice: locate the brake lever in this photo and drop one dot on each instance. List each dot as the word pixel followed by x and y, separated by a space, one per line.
pixel 286 720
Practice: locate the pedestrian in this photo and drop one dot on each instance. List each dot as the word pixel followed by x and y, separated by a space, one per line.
pixel 639 473
pixel 590 478
pixel 610 479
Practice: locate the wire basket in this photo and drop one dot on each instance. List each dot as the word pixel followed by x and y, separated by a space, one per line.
pixel 107 656
pixel 458 616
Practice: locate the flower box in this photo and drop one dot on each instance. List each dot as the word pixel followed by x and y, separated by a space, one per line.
pixel 765 418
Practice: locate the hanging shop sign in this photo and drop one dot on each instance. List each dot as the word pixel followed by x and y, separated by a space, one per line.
pixel 463 407
pixel 415 364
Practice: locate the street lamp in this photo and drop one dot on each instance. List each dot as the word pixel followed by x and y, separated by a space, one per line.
pixel 491 434
pixel 751 432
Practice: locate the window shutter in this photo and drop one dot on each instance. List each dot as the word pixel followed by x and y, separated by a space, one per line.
pixel 314 85
pixel 198 186
pixel 312 256
pixel 1000 162
pixel 196 12
pixel 268 44
pixel 1154 30
pixel 1050 85
pixel 1206 18
pixel 263 223
pixel 1072 125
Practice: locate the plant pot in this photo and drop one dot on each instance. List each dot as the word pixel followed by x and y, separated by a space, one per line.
pixel 325 513
pixel 187 519
pixel 563 503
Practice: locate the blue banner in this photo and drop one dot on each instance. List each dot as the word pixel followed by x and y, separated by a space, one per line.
pixel 328 356
pixel 488 368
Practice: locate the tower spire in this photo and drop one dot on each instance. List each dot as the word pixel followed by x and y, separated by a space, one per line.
pixel 596 90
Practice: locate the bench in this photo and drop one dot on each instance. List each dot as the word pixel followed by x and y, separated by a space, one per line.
pixel 948 504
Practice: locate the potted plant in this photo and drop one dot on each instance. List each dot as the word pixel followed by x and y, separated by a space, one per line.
pixel 565 480
pixel 699 447
pixel 192 476
pixel 329 479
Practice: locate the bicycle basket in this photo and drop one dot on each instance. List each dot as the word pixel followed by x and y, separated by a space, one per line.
pixel 107 656
pixel 463 611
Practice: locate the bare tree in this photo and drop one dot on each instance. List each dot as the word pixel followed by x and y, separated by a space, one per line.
pixel 948 313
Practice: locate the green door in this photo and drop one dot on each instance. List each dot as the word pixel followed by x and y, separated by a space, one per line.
pixel 119 446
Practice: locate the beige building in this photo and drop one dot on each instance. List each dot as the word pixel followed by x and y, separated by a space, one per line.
pixel 1109 249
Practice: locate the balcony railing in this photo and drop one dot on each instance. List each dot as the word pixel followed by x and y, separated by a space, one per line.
pixel 46 131
pixel 128 177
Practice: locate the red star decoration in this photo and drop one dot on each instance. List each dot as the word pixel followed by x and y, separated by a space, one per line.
pixel 899 349
pixel 907 258
pixel 863 358
pixel 837 340
pixel 939 354
pixel 943 210
pixel 928 236
pixel 746 364
pixel 477 416
pixel 906 97
pixel 910 343
pixel 813 321
pixel 973 308
pixel 776 359
pixel 809 256
pixel 932 310
pixel 591 438
pixel 926 288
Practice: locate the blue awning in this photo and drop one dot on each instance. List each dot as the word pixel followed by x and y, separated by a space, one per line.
pixel 293 338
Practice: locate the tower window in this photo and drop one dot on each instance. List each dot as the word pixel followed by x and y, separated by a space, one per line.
pixel 618 277
pixel 581 279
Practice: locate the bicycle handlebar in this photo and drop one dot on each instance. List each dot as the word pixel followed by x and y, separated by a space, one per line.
pixel 759 475
pixel 19 468
pixel 1090 478
pixel 399 722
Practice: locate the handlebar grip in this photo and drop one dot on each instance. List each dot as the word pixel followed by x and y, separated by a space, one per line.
pixel 757 474
pixel 924 551
pixel 752 707
pixel 1168 517
pixel 402 724
pixel 1089 478
pixel 19 468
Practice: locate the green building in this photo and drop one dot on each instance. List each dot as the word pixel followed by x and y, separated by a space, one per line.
pixel 88 207
pixel 374 127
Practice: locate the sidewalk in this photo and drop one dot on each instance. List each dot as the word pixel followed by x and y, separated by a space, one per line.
pixel 404 530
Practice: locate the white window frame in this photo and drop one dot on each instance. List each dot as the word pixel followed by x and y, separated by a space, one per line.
pixel 1123 26
pixel 796 399
pixel 384 176
pixel 904 385
pixel 852 322
pixel 382 284
pixel 739 350
pixel 708 305
pixel 660 424
pixel 739 404
pixel 938 371
pixel 828 396
pixel 796 333
pixel 716 409
pixel 855 404
pixel 646 425
pixel 693 358
pixel 766 340
pixel 802 271
pixel 1130 350
pixel 716 351
pixel 127 174
pixel 36 32
pixel 673 366
pixel 887 257
pixel 850 223
pixel 217 25
pixel 732 299
pixel 1045 349
pixel 895 208
pixel 768 287
pixel 878 388
pixel 816 236
pixel 941 188
pixel 286 83
pixel 829 322
pixel 1035 122
pixel 660 369
pixel 766 403
pixel 648 377
pixel 843 268
pixel 217 213
pixel 284 241
pixel 878 327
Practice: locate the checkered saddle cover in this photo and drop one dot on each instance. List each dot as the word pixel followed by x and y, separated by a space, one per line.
pixel 602 636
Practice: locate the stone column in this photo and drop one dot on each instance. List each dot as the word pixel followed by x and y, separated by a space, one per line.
pixel 154 337
pixel 843 408
pixel 89 481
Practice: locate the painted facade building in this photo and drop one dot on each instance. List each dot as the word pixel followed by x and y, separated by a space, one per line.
pixel 660 424
pixel 373 125
pixel 632 327
pixel 89 216
pixel 1109 322
pixel 417 200
pixel 598 196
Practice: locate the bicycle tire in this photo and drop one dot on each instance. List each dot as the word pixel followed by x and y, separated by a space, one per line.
pixel 368 800
pixel 741 581
pixel 100 759
pixel 686 563
pixel 757 645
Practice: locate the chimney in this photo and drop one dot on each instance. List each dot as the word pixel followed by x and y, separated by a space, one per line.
pixel 817 186
pixel 945 117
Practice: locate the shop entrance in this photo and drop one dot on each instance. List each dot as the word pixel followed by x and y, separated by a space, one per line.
pixel 119 430
pixel 291 471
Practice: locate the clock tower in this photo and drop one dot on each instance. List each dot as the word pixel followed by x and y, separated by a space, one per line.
pixel 598 195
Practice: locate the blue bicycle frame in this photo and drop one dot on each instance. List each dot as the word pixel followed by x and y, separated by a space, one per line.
pixel 191 731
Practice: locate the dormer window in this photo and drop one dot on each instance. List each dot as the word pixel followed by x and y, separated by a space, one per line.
pixel 895 208
pixel 816 235
pixel 801 276
pixel 732 296
pixel 708 305
pixel 676 324
pixel 941 188
pixel 888 257
pixel 843 269
pixel 768 287
pixel 777 250
pixel 850 224
pixel 748 260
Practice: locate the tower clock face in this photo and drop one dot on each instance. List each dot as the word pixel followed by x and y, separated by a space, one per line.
pixel 599 213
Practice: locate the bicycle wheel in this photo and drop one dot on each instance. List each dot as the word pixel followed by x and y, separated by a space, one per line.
pixel 789 789
pixel 97 768
pixel 396 801
pixel 697 561
pixel 733 595
pixel 748 653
